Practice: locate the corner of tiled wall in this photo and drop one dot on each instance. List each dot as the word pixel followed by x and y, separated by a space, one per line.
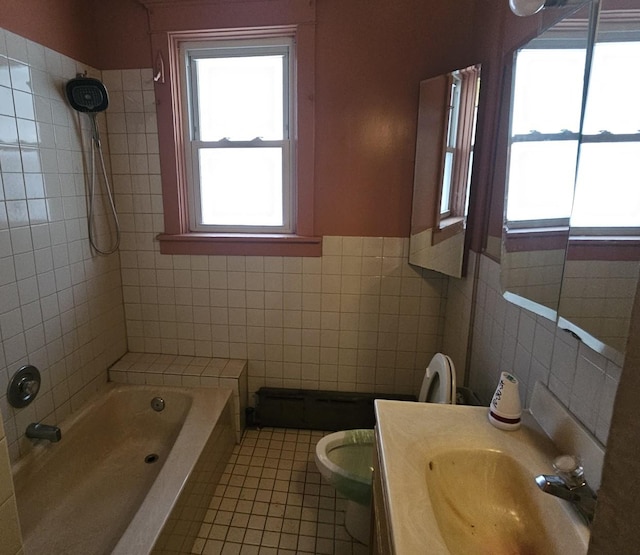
pixel 457 318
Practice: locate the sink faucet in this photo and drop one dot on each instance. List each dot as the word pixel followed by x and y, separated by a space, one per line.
pixel 570 484
pixel 43 431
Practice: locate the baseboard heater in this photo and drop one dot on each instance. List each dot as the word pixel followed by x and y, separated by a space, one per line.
pixel 316 410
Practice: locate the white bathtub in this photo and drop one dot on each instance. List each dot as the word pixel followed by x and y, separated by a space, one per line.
pixel 95 492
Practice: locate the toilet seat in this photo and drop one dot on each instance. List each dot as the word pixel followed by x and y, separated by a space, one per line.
pixel 439 383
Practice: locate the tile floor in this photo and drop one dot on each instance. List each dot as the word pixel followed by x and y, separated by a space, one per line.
pixel 272 500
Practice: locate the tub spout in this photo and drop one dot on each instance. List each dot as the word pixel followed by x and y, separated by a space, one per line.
pixel 43 431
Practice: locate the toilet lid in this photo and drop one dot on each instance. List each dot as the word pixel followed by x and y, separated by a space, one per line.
pixel 439 383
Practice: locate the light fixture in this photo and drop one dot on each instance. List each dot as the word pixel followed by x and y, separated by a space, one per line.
pixel 529 7
pixel 526 7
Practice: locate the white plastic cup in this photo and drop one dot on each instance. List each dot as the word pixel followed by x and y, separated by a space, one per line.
pixel 505 410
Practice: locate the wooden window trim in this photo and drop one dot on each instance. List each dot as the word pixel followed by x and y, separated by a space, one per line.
pixel 448 225
pixel 177 237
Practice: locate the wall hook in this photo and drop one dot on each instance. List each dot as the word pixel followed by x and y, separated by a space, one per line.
pixel 158 75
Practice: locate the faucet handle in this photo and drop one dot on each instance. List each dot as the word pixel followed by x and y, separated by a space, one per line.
pixel 29 387
pixel 570 468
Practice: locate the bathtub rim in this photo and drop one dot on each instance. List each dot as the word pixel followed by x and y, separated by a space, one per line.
pixel 207 406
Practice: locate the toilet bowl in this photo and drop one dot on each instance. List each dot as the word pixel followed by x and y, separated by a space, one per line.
pixel 345 459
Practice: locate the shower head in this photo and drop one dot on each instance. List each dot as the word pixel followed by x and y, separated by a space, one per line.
pixel 86 94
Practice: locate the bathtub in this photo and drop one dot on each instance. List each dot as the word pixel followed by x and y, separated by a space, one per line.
pixel 124 474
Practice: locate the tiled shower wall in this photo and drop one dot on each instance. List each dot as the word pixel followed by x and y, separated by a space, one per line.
pixel 359 318
pixel 60 306
pixel 9 523
pixel 508 338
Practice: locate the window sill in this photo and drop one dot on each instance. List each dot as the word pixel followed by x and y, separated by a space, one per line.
pixel 447 228
pixel 240 244
pixel 611 248
pixel 536 239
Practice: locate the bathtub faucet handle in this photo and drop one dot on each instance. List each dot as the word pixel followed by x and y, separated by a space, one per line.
pixel 36 430
pixel 29 387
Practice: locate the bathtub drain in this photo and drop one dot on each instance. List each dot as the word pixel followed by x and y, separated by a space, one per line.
pixel 149 459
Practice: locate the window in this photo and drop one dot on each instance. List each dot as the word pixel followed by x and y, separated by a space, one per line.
pixel 238 143
pixel 588 176
pixel 446 127
pixel 545 125
pixel 607 195
pixel 236 130
pixel 459 142
pixel 450 146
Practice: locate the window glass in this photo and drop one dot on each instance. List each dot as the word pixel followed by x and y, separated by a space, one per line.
pixel 545 129
pixel 240 98
pixel 544 191
pixel 240 177
pixel 445 199
pixel 608 191
pixel 548 90
pixel 453 117
pixel 612 101
pixel 607 186
pixel 241 186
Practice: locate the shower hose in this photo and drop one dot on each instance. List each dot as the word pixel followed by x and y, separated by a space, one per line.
pixel 96 145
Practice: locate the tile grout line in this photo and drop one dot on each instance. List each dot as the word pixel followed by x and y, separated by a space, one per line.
pixel 272 500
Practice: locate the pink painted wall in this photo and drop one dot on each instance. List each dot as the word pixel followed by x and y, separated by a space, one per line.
pixel 370 57
pixel 121 29
pixel 62 25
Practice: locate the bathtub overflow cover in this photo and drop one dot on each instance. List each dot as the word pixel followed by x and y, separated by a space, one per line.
pixel 149 459
pixel 157 404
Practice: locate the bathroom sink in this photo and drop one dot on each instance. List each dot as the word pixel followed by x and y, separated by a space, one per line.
pixel 482 502
pixel 454 484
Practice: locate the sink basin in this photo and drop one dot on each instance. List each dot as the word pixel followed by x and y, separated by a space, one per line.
pixel 453 484
pixel 482 502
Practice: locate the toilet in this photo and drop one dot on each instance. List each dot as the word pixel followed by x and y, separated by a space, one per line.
pixel 345 459
pixel 439 383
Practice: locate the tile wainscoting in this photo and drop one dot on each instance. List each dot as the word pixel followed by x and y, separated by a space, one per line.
pixel 508 338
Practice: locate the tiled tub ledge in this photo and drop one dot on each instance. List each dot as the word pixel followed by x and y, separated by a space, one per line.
pixel 156 369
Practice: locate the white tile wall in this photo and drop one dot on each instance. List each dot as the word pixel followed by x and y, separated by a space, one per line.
pixel 358 318
pixel 9 522
pixel 508 338
pixel 597 295
pixel 60 306
pixel 534 275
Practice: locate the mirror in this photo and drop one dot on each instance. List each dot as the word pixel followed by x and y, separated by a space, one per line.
pixel 603 256
pixel 545 118
pixel 444 154
pixel 600 234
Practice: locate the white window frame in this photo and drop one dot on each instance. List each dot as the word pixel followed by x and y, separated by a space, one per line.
pixel 226 47
pixel 450 151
